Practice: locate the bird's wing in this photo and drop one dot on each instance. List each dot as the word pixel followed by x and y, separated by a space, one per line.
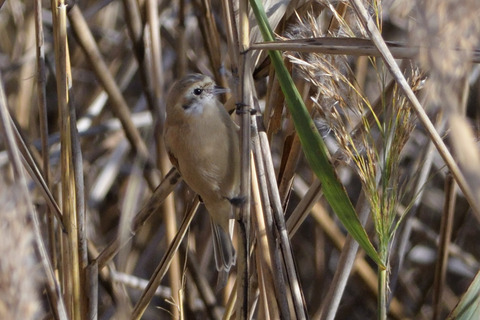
pixel 173 159
pixel 171 156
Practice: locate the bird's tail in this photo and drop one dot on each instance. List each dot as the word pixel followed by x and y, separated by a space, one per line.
pixel 223 248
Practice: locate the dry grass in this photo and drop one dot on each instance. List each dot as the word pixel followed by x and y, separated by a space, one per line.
pixel 20 288
pixel 86 95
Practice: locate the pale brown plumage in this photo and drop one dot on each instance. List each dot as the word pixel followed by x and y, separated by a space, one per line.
pixel 202 143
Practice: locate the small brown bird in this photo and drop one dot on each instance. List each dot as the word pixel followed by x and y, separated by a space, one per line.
pixel 202 143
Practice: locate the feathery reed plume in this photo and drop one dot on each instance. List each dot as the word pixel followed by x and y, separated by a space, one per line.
pixel 370 136
pixel 380 133
pixel 19 277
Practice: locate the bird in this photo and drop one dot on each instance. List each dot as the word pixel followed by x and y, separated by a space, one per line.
pixel 202 142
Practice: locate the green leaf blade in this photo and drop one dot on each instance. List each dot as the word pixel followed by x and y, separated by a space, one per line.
pixel 313 145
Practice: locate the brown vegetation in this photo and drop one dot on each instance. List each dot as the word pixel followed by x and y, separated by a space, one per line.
pixel 84 228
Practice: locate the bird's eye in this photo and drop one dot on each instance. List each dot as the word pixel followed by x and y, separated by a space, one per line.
pixel 197 91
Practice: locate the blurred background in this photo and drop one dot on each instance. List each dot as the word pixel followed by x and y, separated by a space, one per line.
pixel 84 84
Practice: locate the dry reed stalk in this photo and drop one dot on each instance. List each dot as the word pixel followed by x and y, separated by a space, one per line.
pixel 73 260
pixel 287 170
pixel 320 214
pixel 205 291
pixel 267 282
pixel 163 266
pixel 445 236
pixel 281 231
pixel 175 39
pixel 157 88
pixel 150 208
pixel 273 112
pixel 244 106
pixel 120 107
pixel 211 37
pixel 53 287
pixel 272 253
pixel 43 118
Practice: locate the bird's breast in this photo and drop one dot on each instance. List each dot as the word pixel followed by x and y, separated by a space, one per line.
pixel 202 147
